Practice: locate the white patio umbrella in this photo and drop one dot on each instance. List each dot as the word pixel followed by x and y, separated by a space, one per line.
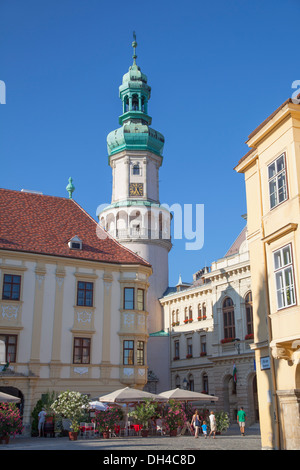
pixel 97 405
pixel 179 394
pixel 4 397
pixel 128 396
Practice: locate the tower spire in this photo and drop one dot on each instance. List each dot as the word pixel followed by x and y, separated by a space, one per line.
pixel 134 45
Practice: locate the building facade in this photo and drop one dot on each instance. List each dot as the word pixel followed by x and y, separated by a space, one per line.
pixel 135 216
pixel 272 179
pixel 72 307
pixel 211 329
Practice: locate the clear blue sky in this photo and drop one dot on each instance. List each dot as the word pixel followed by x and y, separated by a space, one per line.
pixel 217 69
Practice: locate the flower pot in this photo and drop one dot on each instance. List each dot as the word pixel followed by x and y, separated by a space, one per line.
pixel 4 439
pixel 144 432
pixel 73 435
pixel 173 432
pixel 105 434
pixel 49 426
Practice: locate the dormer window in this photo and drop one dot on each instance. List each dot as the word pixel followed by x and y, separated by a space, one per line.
pixel 75 243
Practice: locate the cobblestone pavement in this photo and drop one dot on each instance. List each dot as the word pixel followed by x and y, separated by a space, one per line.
pixel 231 440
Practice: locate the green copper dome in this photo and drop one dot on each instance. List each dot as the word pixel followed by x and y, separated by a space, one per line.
pixel 135 136
pixel 134 75
pixel 135 133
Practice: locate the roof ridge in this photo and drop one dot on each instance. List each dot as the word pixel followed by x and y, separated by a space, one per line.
pixel 33 193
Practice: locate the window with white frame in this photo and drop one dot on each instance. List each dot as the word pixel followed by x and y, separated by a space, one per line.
pixel 277 181
pixel 284 277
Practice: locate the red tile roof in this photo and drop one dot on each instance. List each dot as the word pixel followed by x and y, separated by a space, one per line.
pixel 41 224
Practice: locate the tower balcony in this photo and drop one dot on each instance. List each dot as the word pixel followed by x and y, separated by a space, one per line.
pixel 140 233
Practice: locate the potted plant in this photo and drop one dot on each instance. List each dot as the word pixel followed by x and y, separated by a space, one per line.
pixel 106 420
pixel 174 417
pixel 249 336
pixel 222 421
pixel 73 406
pixel 227 340
pixel 143 413
pixel 49 422
pixel 10 421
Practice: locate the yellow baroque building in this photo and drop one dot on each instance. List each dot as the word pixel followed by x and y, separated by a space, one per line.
pixel 73 303
pixel 272 180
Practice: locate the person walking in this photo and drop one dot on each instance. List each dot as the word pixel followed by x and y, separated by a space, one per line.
pixel 213 424
pixel 204 429
pixel 196 423
pixel 241 419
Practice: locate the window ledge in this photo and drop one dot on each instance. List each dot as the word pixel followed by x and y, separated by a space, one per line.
pixel 291 227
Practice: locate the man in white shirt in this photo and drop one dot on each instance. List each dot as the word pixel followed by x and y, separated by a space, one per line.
pixel 41 416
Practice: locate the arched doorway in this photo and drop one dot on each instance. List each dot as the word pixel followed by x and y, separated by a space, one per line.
pixel 230 398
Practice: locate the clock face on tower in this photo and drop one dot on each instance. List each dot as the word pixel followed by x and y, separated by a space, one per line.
pixel 136 189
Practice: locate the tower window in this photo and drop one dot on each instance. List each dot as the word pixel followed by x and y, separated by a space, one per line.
pixel 135 103
pixel 126 104
pixel 143 104
pixel 136 169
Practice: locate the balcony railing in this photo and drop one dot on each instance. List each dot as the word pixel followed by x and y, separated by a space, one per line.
pixel 146 234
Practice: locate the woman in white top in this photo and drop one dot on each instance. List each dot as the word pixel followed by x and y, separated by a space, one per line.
pixel 213 424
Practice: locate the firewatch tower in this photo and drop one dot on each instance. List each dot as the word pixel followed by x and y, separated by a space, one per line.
pixel 135 216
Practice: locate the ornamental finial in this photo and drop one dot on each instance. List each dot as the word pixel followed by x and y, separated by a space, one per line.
pixel 70 188
pixel 134 45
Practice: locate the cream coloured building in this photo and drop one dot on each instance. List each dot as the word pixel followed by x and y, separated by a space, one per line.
pixel 210 325
pixel 272 179
pixel 73 302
